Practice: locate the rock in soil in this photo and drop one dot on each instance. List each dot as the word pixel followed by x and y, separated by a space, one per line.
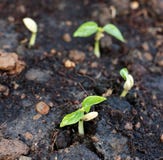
pixel 76 152
pixel 42 108
pixel 4 90
pixel 12 149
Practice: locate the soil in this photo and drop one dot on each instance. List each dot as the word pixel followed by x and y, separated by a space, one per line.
pixel 129 128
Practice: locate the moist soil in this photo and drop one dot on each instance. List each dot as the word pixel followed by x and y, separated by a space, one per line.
pixel 127 128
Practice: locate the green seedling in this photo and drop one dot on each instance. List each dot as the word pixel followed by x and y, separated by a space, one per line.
pixel 32 27
pixel 82 114
pixel 129 81
pixel 89 28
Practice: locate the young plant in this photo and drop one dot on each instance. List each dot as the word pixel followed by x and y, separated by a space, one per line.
pixel 32 27
pixel 89 28
pixel 129 81
pixel 79 115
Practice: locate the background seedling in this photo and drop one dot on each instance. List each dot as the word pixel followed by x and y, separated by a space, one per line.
pixel 129 81
pixel 79 115
pixel 31 26
pixel 89 28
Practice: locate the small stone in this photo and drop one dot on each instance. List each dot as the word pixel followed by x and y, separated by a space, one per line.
pixel 4 90
pixel 148 56
pixel 138 125
pixel 68 23
pixel 53 51
pixel 23 96
pixel 161 138
pixel 83 71
pixel 37 116
pixel 159 59
pixel 76 55
pixel 94 65
pixel 42 108
pixel 94 139
pixel 28 136
pixel 128 126
pixel 117 157
pixel 25 158
pixel 66 37
pixel 69 64
pixel 145 46
pixel 134 5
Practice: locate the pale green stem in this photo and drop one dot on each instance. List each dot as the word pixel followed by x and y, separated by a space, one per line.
pixel 32 40
pixel 124 93
pixel 81 127
pixel 97 48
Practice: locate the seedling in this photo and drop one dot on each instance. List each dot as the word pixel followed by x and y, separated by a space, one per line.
pixel 89 28
pixel 79 115
pixel 32 27
pixel 129 81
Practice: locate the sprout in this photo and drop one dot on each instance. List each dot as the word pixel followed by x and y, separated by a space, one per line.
pixel 79 117
pixel 32 27
pixel 129 81
pixel 89 28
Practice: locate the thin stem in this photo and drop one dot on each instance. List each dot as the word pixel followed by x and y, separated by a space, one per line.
pixel 32 40
pixel 81 127
pixel 97 48
pixel 124 93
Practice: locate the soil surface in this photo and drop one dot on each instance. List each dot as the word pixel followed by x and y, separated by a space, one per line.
pixel 61 71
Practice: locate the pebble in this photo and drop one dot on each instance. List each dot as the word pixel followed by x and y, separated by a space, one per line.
pixel 76 55
pixel 94 65
pixel 159 59
pixel 28 136
pixel 42 108
pixel 12 149
pixel 138 125
pixel 128 126
pixel 69 64
pixel 83 71
pixel 4 90
pixel 134 5
pixel 25 158
pixel 66 37
pixel 37 116
pixel 161 138
pixel 148 56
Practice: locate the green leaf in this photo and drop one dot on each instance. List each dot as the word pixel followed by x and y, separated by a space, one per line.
pixel 114 31
pixel 86 29
pixel 72 118
pixel 89 101
pixel 124 73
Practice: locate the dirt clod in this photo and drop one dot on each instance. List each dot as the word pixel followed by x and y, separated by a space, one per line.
pixel 10 63
pixel 76 55
pixel 12 149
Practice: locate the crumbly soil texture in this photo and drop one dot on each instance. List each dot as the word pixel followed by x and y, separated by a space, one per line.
pixel 62 70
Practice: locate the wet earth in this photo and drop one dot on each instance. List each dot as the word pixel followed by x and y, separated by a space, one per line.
pixel 61 71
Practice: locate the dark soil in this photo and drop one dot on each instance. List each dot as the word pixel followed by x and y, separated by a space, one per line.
pixel 127 128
